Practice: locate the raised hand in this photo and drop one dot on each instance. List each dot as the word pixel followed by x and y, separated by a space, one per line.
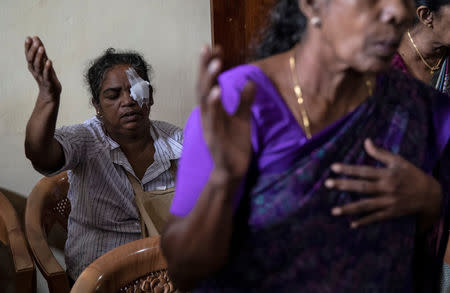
pixel 42 69
pixel 227 136
pixel 399 189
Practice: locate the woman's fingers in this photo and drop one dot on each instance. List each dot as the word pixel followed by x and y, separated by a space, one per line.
pixel 372 218
pixel 47 68
pixel 38 60
pixel 35 55
pixel 358 171
pixel 31 47
pixel 354 185
pixel 41 68
pixel 210 67
pixel 380 154
pixel 214 105
pixel 209 76
pixel 399 187
pixel 205 55
pixel 211 114
pixel 376 209
pixel 362 206
pixel 31 54
pixel 28 43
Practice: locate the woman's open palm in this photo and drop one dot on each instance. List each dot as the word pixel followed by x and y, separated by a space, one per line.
pixel 42 68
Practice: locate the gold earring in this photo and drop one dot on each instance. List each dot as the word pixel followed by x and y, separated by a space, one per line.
pixel 316 21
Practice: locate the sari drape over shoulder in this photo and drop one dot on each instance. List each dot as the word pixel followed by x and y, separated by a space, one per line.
pixel 441 82
pixel 440 79
pixel 284 236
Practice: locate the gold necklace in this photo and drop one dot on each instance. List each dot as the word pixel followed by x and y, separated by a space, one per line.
pixel 301 100
pixel 432 68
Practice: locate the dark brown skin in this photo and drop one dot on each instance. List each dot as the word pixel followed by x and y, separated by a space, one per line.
pixel 356 40
pixel 394 195
pixel 431 36
pixel 132 133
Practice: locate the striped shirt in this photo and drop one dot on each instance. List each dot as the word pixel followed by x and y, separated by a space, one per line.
pixel 104 213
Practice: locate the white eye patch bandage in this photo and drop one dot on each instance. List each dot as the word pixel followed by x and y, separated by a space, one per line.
pixel 140 89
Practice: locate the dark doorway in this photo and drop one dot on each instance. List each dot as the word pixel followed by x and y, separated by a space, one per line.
pixel 236 26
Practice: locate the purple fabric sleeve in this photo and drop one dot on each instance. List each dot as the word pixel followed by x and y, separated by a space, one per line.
pixel 194 167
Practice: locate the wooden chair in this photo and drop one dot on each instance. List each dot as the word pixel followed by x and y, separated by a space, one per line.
pixel 48 205
pixel 11 235
pixel 138 266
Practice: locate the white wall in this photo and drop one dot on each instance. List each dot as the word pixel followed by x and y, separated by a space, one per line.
pixel 169 33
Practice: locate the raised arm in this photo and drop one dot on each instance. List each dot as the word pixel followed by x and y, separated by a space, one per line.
pixel 197 245
pixel 43 150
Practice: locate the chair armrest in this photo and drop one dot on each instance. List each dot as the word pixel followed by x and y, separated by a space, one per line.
pixel 121 266
pixel 22 259
pixel 23 264
pixel 51 270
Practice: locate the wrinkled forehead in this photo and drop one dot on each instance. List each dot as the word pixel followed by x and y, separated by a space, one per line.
pixel 116 76
pixel 444 11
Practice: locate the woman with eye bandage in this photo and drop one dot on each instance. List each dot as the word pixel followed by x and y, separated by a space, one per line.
pixel 108 157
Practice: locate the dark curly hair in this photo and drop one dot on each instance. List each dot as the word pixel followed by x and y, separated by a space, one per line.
pixel 433 5
pixel 286 28
pixel 110 58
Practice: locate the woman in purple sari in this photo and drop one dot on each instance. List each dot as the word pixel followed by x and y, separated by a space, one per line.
pixel 425 51
pixel 425 54
pixel 288 160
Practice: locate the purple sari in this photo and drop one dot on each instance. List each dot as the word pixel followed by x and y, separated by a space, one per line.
pixel 285 238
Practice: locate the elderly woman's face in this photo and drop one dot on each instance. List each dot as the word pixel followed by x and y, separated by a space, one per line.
pixel 365 34
pixel 441 25
pixel 119 112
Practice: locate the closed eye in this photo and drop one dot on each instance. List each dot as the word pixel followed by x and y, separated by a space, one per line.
pixel 111 93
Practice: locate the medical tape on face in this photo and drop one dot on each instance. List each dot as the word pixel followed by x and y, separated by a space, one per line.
pixel 140 89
